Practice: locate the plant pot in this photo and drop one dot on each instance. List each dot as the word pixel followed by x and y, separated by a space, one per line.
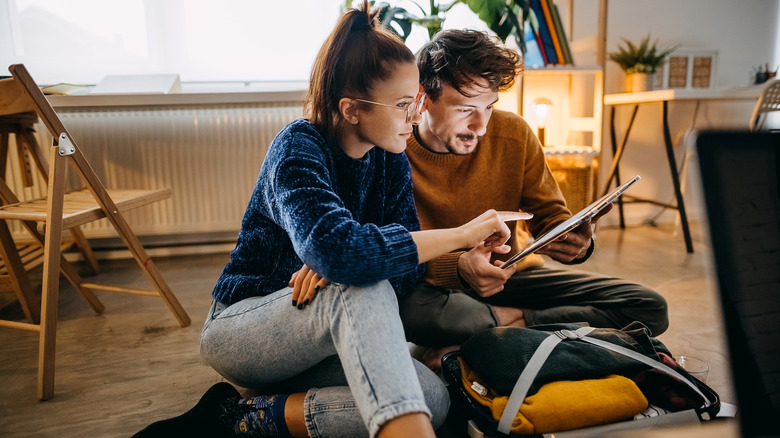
pixel 638 82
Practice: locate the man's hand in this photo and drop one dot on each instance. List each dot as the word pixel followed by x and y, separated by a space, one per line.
pixel 574 244
pixel 484 277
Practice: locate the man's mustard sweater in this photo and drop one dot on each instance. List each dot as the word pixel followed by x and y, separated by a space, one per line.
pixel 507 171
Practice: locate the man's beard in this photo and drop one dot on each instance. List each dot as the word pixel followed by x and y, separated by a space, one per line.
pixel 465 138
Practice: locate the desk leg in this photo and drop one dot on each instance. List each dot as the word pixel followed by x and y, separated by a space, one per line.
pixel 617 154
pixel 676 179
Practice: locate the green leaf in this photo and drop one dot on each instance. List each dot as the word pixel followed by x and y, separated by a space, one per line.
pixel 503 17
pixel 396 19
pixel 642 58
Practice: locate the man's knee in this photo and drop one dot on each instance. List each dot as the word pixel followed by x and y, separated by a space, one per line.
pixel 435 317
pixel 424 324
pixel 636 302
pixel 657 312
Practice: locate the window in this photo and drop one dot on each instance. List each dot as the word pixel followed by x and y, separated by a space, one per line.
pixel 81 41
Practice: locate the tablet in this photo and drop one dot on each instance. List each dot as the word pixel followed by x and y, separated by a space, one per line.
pixel 573 222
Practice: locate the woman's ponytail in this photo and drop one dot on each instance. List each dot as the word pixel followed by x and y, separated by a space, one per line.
pixel 356 54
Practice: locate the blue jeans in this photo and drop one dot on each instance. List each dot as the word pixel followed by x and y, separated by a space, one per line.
pixel 346 350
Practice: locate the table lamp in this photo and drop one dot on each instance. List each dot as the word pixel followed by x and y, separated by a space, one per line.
pixel 542 108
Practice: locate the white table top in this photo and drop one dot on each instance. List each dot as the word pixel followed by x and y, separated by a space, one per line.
pixel 739 93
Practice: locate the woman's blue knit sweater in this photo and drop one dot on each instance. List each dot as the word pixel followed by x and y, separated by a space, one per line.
pixel 347 219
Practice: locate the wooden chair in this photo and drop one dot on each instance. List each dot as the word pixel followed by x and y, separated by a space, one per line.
pixel 46 218
pixel 21 126
pixel 768 102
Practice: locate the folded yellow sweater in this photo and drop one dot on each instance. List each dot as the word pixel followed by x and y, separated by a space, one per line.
pixel 565 404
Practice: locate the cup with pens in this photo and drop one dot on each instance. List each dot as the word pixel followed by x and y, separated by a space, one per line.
pixel 762 74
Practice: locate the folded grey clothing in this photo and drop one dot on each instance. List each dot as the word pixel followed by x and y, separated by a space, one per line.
pixel 500 354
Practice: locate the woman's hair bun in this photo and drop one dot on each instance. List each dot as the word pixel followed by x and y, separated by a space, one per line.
pixel 363 18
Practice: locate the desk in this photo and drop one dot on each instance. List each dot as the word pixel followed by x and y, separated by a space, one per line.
pixel 663 97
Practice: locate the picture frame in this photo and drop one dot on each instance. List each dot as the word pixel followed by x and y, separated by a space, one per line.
pixel 688 69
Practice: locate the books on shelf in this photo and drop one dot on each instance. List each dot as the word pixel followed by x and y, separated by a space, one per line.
pixel 534 57
pixel 545 23
pixel 564 42
pixel 547 47
pixel 548 18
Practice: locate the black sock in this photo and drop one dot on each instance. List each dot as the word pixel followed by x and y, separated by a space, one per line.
pixel 202 420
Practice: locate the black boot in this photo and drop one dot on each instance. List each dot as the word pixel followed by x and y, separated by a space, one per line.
pixel 203 420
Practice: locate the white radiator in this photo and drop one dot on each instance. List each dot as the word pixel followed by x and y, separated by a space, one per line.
pixel 209 156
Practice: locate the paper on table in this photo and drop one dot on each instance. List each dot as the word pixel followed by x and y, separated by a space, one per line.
pixel 64 89
pixel 138 84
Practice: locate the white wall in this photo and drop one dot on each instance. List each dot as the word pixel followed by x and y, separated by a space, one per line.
pixel 744 33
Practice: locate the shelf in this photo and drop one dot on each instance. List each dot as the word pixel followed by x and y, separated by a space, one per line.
pixel 573 125
pixel 576 94
pixel 586 152
pixel 562 69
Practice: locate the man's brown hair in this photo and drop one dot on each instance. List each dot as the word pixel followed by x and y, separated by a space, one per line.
pixel 460 58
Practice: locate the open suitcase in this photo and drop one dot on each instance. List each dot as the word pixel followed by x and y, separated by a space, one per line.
pixel 601 344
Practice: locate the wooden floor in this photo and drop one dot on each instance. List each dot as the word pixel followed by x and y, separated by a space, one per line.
pixel 119 371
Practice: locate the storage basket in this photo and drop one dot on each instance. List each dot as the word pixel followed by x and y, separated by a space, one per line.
pixel 574 177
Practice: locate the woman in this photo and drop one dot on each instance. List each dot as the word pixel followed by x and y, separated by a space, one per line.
pixel 334 201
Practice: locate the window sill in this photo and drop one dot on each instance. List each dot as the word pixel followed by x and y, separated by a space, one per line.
pixel 193 94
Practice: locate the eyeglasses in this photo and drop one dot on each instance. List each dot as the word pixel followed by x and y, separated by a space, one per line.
pixel 410 109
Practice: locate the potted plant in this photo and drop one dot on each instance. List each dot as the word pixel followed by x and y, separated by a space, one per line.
pixel 504 17
pixel 639 62
pixel 400 20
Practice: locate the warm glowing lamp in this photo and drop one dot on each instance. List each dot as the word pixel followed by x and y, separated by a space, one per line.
pixel 542 107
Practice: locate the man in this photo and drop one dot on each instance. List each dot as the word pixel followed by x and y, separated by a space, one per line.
pixel 467 157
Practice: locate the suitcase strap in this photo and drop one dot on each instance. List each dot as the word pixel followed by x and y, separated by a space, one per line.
pixel 544 350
